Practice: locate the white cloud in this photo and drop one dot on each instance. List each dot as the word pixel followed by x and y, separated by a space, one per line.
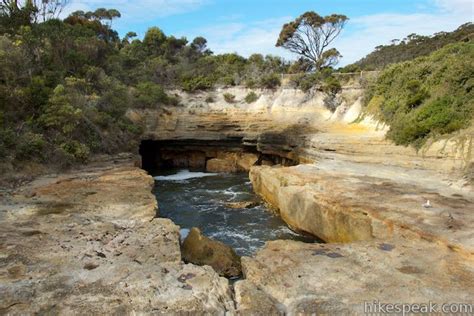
pixel 245 39
pixel 362 34
pixel 456 5
pixel 373 30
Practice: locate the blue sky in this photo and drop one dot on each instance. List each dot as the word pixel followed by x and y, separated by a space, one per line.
pixel 246 26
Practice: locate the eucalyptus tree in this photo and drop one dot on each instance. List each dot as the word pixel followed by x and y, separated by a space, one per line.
pixel 310 36
pixel 38 10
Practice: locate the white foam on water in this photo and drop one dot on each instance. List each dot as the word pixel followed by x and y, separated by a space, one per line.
pixel 236 235
pixel 183 232
pixel 283 230
pixel 184 175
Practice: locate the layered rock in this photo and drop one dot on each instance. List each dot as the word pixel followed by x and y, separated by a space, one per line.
pixel 344 203
pixel 397 247
pixel 232 162
pixel 295 278
pixel 295 125
pixel 89 243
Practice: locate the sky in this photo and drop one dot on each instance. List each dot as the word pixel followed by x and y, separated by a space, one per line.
pixel 252 26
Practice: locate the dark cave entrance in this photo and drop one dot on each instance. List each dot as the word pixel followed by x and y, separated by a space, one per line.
pixel 159 155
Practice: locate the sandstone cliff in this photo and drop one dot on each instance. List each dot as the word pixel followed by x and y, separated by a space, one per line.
pixel 352 187
pixel 290 123
pixel 87 241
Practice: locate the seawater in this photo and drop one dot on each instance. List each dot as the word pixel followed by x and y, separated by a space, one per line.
pixel 198 199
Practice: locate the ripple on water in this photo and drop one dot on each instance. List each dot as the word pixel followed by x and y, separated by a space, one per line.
pixel 198 199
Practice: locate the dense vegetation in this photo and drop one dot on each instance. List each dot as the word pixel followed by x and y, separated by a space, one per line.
pixel 65 86
pixel 411 47
pixel 426 97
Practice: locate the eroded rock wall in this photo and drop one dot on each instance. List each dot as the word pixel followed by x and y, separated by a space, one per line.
pixel 289 123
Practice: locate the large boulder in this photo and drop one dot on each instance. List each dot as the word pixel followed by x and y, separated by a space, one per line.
pixel 245 161
pixel 201 250
pixel 221 165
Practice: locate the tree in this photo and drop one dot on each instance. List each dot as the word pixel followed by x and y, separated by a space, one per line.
pixel 153 40
pixel 199 45
pixel 130 35
pixel 50 9
pixel 42 10
pixel 310 36
pixel 113 14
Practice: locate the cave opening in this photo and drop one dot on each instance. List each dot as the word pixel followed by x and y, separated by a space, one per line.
pixel 205 184
pixel 230 155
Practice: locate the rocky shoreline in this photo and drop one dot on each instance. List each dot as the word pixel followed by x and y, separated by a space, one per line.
pixel 88 241
pixel 104 252
pixel 385 246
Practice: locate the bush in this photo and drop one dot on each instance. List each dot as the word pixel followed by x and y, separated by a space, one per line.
pixel 31 146
pixel 150 95
pixel 251 83
pixel 350 69
pixel 271 81
pixel 322 79
pixel 305 82
pixel 331 85
pixel 192 84
pixel 251 97
pixel 76 150
pixel 7 142
pixel 228 81
pixel 426 97
pixel 116 100
pixel 59 114
pixel 229 98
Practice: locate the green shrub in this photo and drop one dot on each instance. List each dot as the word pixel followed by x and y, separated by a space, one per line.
pixel 350 68
pixel 229 98
pixel 305 82
pixel 130 127
pixel 331 85
pixel 149 95
pixel 192 84
pixel 251 83
pixel 76 150
pixel 116 100
pixel 7 142
pixel 251 97
pixel 31 146
pixel 322 79
pixel 270 81
pixel 426 97
pixel 228 81
pixel 59 114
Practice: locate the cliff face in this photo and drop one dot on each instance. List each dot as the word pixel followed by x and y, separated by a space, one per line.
pixel 87 242
pixel 352 188
pixel 290 123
